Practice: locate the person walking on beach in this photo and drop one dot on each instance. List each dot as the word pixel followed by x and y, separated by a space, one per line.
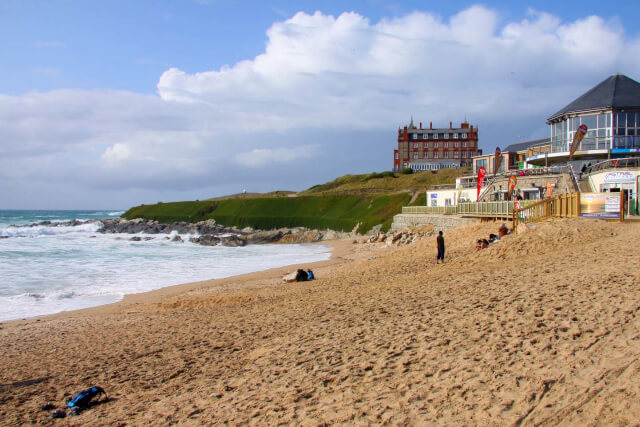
pixel 440 240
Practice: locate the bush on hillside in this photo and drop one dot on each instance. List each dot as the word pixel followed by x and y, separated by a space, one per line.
pixel 407 171
pixel 375 175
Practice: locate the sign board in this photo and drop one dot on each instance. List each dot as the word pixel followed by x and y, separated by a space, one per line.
pixel 434 199
pixel 600 205
pixel 619 176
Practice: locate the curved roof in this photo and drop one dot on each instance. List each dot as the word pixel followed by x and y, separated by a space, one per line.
pixel 617 91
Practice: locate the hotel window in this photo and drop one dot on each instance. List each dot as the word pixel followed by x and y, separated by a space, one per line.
pixel 446 145
pixel 415 155
pixel 455 154
pixel 455 145
pixel 415 145
pixel 446 154
pixel 444 136
pixel 397 157
pixel 414 135
pixel 435 154
pixel 455 136
pixel 464 154
pixel 464 144
pixel 424 136
pixel 463 135
pixel 424 145
pixel 435 136
pixel 435 145
pixel 425 154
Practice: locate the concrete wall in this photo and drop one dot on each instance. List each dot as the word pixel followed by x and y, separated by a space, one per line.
pixel 439 222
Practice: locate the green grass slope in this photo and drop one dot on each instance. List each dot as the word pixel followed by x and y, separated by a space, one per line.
pixel 336 212
pixel 368 199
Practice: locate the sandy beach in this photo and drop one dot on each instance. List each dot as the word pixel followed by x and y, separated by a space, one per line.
pixel 540 328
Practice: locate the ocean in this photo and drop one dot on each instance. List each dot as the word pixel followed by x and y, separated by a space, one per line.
pixel 46 269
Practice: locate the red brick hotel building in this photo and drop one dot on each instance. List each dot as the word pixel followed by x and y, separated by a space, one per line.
pixel 430 149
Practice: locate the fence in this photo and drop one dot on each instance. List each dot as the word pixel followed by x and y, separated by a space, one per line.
pixel 566 205
pixel 480 209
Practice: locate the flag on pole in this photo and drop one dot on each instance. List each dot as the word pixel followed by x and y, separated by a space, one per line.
pixel 498 161
pixel 577 139
pixel 482 172
pixel 511 185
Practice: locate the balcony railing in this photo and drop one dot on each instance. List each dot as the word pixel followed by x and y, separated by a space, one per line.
pixel 598 143
pixel 632 162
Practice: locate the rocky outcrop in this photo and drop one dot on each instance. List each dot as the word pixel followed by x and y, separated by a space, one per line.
pixel 139 225
pixel 210 233
pixel 209 240
pixel 403 237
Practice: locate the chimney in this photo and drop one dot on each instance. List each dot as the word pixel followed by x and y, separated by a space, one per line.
pixel 450 125
pixel 420 125
pixel 430 125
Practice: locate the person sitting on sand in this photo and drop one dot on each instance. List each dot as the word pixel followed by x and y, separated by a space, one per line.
pixel 310 275
pixel 478 244
pixel 493 238
pixel 301 276
pixel 502 231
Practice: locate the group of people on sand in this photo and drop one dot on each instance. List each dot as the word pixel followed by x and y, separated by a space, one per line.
pixel 484 243
pixel 480 243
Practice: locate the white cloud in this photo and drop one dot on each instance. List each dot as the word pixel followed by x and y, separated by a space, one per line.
pixel 320 70
pixel 323 99
pixel 116 153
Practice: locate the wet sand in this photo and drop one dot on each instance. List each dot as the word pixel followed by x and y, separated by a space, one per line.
pixel 540 328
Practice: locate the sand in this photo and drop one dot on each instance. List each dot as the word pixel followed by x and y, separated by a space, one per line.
pixel 540 328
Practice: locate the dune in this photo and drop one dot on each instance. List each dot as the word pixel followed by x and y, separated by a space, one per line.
pixel 540 328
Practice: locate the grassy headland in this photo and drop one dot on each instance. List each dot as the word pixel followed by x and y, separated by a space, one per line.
pixel 341 204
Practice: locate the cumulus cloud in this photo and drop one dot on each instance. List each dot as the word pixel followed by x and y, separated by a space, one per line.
pixel 323 99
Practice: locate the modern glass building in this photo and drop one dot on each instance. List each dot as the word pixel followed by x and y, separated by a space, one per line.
pixel 611 112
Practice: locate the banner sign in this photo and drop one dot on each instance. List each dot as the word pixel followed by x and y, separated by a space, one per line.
pixel 619 176
pixel 498 160
pixel 482 172
pixel 577 139
pixel 549 188
pixel 600 205
pixel 511 185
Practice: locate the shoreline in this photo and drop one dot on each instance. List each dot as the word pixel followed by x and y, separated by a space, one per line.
pixel 338 248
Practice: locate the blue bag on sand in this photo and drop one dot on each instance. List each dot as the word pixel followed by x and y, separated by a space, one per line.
pixel 82 399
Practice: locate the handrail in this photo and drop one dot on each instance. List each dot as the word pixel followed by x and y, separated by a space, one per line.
pixel 628 162
pixel 572 173
pixel 566 205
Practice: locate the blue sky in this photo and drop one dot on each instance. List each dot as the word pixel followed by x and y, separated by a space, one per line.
pixel 108 104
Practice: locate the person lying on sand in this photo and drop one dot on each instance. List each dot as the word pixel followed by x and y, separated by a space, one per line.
pixel 482 244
